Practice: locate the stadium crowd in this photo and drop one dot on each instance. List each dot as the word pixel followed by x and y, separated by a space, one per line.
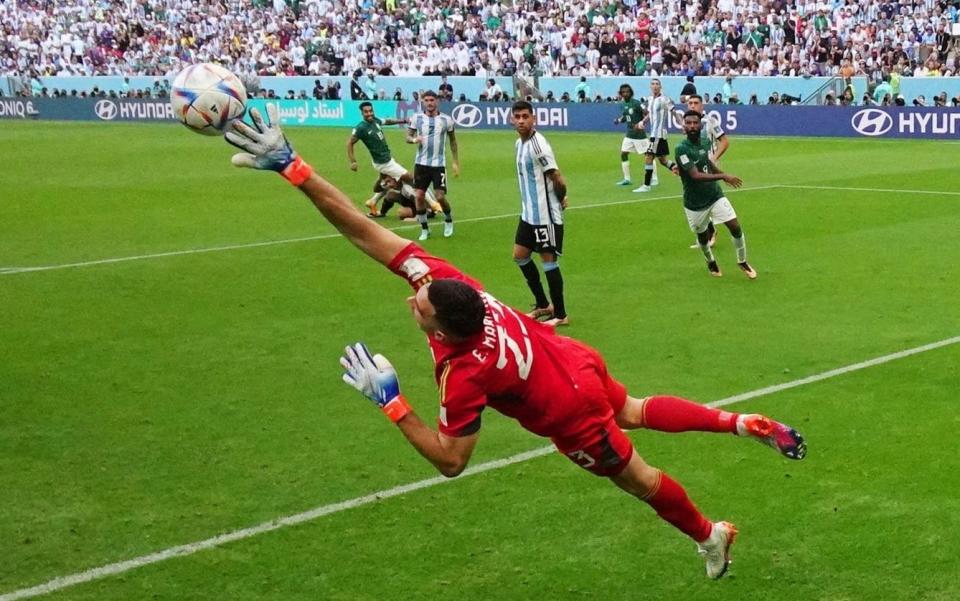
pixel 883 40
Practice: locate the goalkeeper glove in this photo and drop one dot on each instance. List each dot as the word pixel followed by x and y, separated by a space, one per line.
pixel 376 379
pixel 266 147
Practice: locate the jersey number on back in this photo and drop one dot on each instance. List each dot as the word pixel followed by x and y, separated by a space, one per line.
pixel 522 352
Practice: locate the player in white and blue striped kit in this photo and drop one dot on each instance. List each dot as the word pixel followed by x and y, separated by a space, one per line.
pixel 429 130
pixel 660 111
pixel 543 197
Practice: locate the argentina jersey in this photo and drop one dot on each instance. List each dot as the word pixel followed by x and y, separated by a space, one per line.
pixel 433 130
pixel 710 127
pixel 660 108
pixel 539 203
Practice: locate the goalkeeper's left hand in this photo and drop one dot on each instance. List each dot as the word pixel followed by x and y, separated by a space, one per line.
pixel 375 378
pixel 266 147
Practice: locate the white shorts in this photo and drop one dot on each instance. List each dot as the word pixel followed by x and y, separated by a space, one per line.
pixel 638 146
pixel 719 212
pixel 393 169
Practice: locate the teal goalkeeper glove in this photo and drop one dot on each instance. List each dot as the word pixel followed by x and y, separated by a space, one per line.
pixel 375 378
pixel 266 147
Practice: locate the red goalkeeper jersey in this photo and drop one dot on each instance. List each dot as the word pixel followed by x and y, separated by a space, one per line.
pixel 516 365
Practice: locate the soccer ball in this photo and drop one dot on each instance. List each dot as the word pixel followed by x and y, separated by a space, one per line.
pixel 207 97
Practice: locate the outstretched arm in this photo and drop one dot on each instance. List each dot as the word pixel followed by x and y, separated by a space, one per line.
pixel 267 148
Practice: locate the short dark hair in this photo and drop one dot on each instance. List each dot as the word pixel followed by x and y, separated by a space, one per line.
pixel 365 103
pixel 460 309
pixel 692 114
pixel 697 96
pixel 626 86
pixel 521 105
pixel 428 94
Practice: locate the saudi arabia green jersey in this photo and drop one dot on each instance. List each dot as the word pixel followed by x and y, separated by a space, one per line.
pixel 697 196
pixel 371 134
pixel 633 113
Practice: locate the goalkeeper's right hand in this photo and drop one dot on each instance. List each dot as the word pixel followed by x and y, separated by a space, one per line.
pixel 266 147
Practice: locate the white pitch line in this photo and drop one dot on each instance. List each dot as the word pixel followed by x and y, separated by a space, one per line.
pixel 318 512
pixel 194 251
pixel 850 189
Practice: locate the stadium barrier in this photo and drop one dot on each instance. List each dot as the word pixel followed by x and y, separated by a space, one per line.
pixel 872 122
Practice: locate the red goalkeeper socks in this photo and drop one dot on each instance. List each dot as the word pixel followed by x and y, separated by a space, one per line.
pixel 673 414
pixel 672 504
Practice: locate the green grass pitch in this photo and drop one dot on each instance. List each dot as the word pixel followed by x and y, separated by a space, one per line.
pixel 156 402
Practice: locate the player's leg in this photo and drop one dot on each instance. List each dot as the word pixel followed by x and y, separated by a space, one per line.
pixel 625 148
pixel 432 203
pixel 674 414
pixel 722 212
pixel 439 182
pixel 371 204
pixel 699 222
pixel 713 236
pixel 550 255
pixel 421 181
pixel 523 243
pixel 666 413
pixel 600 447
pixel 648 168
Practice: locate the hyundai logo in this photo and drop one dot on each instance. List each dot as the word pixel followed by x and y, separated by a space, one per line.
pixel 871 122
pixel 106 109
pixel 467 115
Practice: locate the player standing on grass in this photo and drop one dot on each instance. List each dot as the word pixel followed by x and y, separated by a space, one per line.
pixel 370 132
pixel 429 131
pixel 543 197
pixel 486 353
pixel 703 200
pixel 660 108
pixel 632 113
pixel 719 144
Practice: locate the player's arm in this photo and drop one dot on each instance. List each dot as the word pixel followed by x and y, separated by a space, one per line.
pixel 396 121
pixel 716 174
pixel 265 147
pixel 376 379
pixel 453 150
pixel 412 137
pixel 559 186
pixel 723 143
pixel 350 156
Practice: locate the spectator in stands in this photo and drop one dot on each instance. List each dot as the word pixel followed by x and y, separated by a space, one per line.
pixel 493 91
pixel 445 90
pixel 867 38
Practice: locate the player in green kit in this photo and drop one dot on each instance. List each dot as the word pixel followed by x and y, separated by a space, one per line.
pixel 632 113
pixel 703 200
pixel 370 132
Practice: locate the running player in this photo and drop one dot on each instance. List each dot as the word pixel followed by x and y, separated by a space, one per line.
pixel 632 113
pixel 543 197
pixel 488 354
pixel 703 200
pixel 719 143
pixel 660 108
pixel 429 130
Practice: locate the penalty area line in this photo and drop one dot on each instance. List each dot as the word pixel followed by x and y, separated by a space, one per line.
pixel 112 569
pixel 228 247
